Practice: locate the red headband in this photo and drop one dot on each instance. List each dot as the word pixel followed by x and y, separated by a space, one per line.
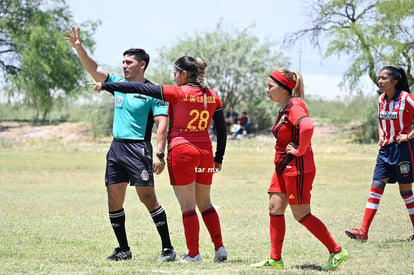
pixel 285 82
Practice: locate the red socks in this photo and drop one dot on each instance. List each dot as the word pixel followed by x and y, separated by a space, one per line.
pixel 319 230
pixel 277 235
pixel 371 208
pixel 212 222
pixel 191 231
pixel 409 203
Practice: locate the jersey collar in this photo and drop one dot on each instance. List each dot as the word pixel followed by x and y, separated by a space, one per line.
pixel 193 84
pixel 396 95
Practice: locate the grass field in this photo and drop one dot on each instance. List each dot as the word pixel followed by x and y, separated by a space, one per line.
pixel 54 214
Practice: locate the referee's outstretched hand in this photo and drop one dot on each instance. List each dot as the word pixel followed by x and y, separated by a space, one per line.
pixel 74 38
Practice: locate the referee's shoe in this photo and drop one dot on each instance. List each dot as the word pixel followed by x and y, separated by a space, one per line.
pixel 167 255
pixel 120 255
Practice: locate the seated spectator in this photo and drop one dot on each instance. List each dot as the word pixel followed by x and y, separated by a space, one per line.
pixel 232 117
pixel 242 128
pixel 245 122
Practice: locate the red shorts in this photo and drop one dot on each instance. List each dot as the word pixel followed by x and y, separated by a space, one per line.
pixel 188 163
pixel 297 188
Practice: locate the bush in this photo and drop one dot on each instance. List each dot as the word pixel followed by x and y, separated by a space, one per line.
pixel 101 118
pixel 368 132
pixel 99 112
pixel 340 112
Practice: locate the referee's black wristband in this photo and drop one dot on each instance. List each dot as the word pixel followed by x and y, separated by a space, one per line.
pixel 160 155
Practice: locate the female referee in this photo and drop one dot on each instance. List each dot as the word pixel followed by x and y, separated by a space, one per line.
pixel 395 156
pixel 190 155
pixel 295 170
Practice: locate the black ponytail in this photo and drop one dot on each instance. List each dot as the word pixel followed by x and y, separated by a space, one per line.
pixel 399 75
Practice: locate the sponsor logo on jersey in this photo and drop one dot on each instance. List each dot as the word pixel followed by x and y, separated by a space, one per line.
pixel 279 123
pixel 199 99
pixel 388 115
pixel 291 197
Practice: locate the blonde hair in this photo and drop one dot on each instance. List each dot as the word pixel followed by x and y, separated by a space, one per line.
pixel 201 69
pixel 295 76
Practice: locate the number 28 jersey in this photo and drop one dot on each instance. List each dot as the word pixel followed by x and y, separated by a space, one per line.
pixel 190 112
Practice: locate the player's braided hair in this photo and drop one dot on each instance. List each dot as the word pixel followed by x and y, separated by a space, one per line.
pixel 195 67
pixel 201 72
pixel 188 64
pixel 201 69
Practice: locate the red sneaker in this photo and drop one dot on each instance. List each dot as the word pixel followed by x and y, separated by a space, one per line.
pixel 357 234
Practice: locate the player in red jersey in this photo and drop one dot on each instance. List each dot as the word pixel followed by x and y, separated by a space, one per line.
pixel 395 157
pixel 190 155
pixel 295 170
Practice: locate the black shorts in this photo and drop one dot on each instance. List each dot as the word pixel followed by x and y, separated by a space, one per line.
pixel 129 161
pixel 395 162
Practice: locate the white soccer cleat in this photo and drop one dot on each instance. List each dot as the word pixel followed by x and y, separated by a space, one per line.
pixel 187 259
pixel 221 255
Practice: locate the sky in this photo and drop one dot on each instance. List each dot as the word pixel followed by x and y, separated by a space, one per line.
pixel 154 24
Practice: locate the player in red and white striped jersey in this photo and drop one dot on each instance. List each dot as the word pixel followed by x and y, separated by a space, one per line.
pixel 395 156
pixel 395 115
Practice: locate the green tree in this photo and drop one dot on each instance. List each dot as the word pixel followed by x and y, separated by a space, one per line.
pixel 374 33
pixel 238 68
pixel 39 65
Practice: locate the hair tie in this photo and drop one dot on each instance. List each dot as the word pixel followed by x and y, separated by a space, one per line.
pixel 286 83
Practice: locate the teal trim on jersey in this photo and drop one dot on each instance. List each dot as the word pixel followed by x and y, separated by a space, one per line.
pixel 134 113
